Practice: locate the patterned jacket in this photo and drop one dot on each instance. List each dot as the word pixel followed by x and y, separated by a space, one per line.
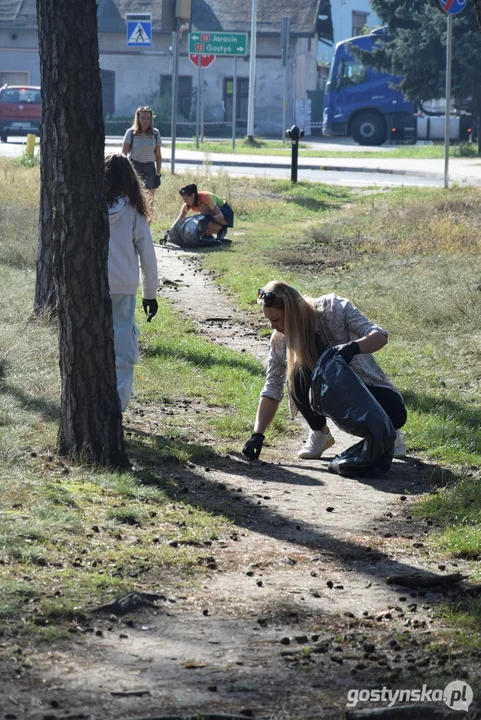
pixel 338 321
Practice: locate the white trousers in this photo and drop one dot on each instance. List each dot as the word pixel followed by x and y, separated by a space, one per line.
pixel 126 345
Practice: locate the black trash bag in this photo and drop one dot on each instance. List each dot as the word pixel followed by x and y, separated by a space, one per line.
pixel 338 393
pixel 188 233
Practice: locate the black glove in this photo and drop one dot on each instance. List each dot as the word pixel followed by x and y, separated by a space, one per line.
pixel 348 351
pixel 252 448
pixel 150 308
pixel 157 180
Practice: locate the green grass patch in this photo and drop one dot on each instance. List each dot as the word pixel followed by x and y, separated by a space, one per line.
pixel 409 258
pixel 456 510
pixel 281 149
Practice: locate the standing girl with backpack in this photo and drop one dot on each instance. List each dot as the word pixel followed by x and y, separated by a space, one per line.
pixel 142 145
pixel 130 244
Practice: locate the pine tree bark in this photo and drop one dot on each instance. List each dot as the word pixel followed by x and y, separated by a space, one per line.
pixel 45 301
pixel 76 231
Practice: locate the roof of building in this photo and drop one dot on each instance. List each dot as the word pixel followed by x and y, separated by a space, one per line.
pixel 227 15
pixel 18 13
pixel 235 15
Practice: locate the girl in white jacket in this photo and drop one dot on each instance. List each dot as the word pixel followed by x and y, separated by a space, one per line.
pixel 130 242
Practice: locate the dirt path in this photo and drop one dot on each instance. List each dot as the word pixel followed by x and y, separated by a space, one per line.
pixel 295 611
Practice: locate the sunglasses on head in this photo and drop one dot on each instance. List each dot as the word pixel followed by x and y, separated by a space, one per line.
pixel 268 297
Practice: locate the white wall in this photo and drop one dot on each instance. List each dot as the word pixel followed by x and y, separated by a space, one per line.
pixel 342 22
pixel 137 74
pixel 20 54
pixel 137 77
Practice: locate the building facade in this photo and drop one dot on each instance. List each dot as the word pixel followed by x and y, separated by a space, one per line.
pixel 133 76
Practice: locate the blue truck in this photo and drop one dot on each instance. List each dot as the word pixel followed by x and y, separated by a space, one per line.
pixel 360 101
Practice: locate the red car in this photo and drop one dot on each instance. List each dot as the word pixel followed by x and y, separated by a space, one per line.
pixel 19 110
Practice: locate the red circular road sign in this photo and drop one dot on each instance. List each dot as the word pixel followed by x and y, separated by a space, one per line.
pixel 203 60
pixel 451 7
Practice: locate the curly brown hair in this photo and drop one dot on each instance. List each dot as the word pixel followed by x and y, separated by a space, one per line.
pixel 121 180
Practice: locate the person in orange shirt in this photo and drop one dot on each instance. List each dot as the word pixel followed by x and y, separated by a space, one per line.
pixel 207 203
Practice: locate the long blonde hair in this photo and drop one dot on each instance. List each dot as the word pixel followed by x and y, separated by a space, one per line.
pixel 299 327
pixel 136 123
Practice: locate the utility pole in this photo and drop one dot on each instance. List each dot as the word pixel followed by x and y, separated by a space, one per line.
pixel 175 94
pixel 285 36
pixel 252 74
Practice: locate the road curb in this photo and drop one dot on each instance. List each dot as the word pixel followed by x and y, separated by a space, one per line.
pixel 434 175
pixel 287 166
pixel 324 168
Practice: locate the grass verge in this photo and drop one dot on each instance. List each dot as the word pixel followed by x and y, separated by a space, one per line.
pixel 409 258
pixel 276 147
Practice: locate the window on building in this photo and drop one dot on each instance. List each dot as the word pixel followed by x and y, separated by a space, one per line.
pixel 108 92
pixel 242 98
pixel 10 77
pixel 359 20
pixel 185 98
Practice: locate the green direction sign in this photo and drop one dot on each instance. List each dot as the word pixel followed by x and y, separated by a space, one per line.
pixel 217 43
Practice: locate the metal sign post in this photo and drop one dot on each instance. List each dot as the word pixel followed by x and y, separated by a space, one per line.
pixel 202 104
pixel 447 124
pixel 285 36
pixel 209 44
pixel 450 7
pixel 252 75
pixel 175 94
pixel 197 106
pixel 234 104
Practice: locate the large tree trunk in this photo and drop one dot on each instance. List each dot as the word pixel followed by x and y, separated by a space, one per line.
pixel 45 301
pixel 74 206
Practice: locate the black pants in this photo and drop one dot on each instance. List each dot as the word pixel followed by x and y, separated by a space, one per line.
pixel 390 401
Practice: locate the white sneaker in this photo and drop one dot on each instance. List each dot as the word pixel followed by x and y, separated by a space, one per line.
pixel 315 444
pixel 400 449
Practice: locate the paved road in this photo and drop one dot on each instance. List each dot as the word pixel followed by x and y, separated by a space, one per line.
pixel 350 170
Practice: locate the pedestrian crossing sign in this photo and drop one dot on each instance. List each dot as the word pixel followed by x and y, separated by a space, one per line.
pixel 139 29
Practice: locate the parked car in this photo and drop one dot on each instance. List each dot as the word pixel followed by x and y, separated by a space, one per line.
pixel 19 110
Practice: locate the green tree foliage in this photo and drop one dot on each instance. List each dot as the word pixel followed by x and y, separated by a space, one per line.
pixel 415 50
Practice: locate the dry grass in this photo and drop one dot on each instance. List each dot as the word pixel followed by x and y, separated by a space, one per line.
pixel 19 193
pixel 401 223
pixel 251 198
